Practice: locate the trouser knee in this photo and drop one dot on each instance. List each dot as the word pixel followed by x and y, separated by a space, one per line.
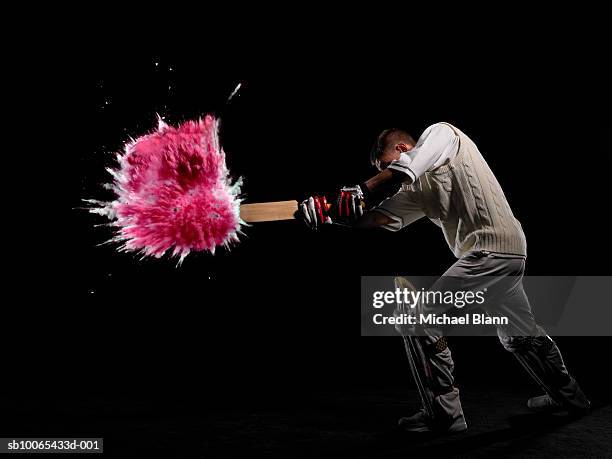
pixel 541 344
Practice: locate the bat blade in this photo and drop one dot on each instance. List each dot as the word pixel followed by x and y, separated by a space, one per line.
pixel 268 211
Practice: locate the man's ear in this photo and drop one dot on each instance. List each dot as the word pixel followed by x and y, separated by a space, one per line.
pixel 402 147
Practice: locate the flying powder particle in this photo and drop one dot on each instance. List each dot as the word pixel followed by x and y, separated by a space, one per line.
pixel 173 192
pixel 234 92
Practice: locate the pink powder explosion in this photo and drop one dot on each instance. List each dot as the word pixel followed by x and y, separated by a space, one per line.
pixel 174 192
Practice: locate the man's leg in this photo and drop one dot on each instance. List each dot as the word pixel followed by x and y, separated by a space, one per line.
pixel 432 367
pixel 539 355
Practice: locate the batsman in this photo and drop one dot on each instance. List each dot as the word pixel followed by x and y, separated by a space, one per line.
pixel 444 177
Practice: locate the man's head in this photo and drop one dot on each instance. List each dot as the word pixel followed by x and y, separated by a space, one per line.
pixel 389 145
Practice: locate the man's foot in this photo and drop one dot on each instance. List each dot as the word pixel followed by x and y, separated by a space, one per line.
pixel 421 423
pixel 418 422
pixel 543 403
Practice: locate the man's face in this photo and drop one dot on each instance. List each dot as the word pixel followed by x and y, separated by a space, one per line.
pixel 391 153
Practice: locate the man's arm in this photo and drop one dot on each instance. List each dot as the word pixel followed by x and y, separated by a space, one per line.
pixel 394 213
pixel 373 219
pixel 388 176
pixel 437 145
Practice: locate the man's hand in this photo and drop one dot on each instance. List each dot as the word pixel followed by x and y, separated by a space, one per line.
pixel 349 204
pixel 314 211
pixel 347 208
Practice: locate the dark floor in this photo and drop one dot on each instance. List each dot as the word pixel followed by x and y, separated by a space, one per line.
pixel 354 422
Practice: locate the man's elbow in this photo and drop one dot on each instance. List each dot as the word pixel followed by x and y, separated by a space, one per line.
pixel 373 219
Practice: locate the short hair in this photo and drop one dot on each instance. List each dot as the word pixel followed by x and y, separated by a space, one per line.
pixel 386 138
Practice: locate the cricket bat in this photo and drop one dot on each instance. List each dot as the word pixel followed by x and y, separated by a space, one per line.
pixel 268 211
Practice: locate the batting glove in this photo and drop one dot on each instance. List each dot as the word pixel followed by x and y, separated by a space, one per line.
pixel 349 204
pixel 314 211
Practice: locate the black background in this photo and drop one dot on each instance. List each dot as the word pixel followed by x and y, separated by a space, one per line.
pixel 277 318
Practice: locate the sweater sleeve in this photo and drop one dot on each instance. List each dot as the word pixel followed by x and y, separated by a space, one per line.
pixel 437 143
pixel 402 207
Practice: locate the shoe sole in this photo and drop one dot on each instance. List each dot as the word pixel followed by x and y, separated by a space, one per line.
pixel 425 429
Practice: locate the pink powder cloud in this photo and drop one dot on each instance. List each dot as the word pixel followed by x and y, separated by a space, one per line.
pixel 173 192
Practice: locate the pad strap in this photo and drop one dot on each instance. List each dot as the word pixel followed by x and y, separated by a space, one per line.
pixel 436 347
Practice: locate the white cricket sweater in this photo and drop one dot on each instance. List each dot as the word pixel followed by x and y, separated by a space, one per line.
pixel 464 198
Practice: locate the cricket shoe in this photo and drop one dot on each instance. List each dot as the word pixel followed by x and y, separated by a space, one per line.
pixel 421 423
pixel 543 403
pixel 578 406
